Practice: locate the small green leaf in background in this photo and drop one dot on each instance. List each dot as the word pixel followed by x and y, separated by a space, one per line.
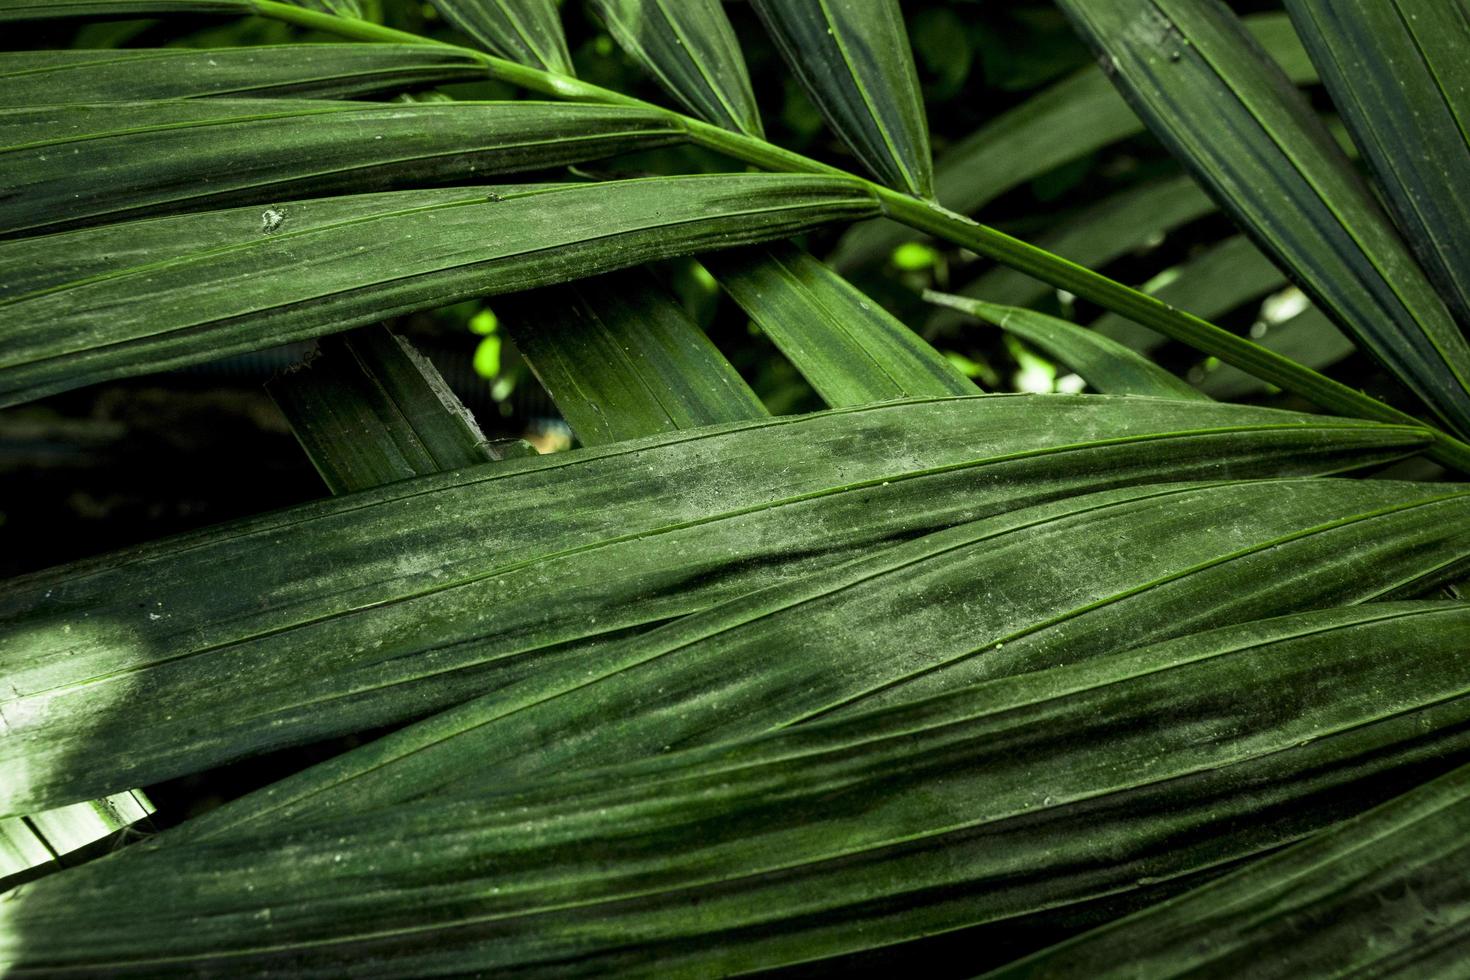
pixel 622 359
pixel 850 349
pixel 1218 279
pixel 1105 364
pixel 690 47
pixel 528 32
pixel 1115 226
pixel 853 57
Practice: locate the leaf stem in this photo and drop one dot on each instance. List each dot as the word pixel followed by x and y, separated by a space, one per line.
pixel 930 217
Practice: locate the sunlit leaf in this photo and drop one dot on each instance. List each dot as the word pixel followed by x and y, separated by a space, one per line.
pixel 1034 792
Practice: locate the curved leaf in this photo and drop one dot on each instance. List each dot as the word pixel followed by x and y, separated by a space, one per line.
pixel 850 349
pixel 622 359
pixel 1010 594
pixel 1384 894
pixel 1103 363
pixel 524 31
pixel 1192 71
pixel 90 305
pixel 690 47
pixel 360 610
pixel 853 57
pixel 29 78
pixel 64 166
pixel 1398 70
pixel 1030 793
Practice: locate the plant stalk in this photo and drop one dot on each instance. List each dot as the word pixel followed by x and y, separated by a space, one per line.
pixel 932 218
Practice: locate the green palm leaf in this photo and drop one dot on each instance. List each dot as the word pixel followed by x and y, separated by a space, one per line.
pixel 999 597
pixel 123 299
pixel 622 359
pixel 1399 73
pixel 853 57
pixel 1190 69
pixel 850 349
pixel 46 9
pixel 1103 363
pixel 1064 122
pixel 29 78
pixel 1221 278
pixel 978 807
pixel 338 609
pixel 1108 230
pixel 369 410
pixel 1384 894
pixel 690 47
pixel 164 157
pixel 524 31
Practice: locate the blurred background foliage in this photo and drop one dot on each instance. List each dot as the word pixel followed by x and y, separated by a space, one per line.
pixel 106 466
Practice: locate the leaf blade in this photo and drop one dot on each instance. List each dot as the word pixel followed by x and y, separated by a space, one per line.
pixel 341 606
pixel 1413 842
pixel 848 347
pixel 690 47
pixel 853 57
pixel 164 157
pixel 826 839
pixel 528 32
pixel 1068 120
pixel 622 359
pixel 1105 364
pixel 146 295
pixel 275 71
pixel 370 410
pixel 1188 70
pixel 1397 72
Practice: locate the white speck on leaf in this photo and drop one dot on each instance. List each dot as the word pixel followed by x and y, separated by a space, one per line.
pixel 271 220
